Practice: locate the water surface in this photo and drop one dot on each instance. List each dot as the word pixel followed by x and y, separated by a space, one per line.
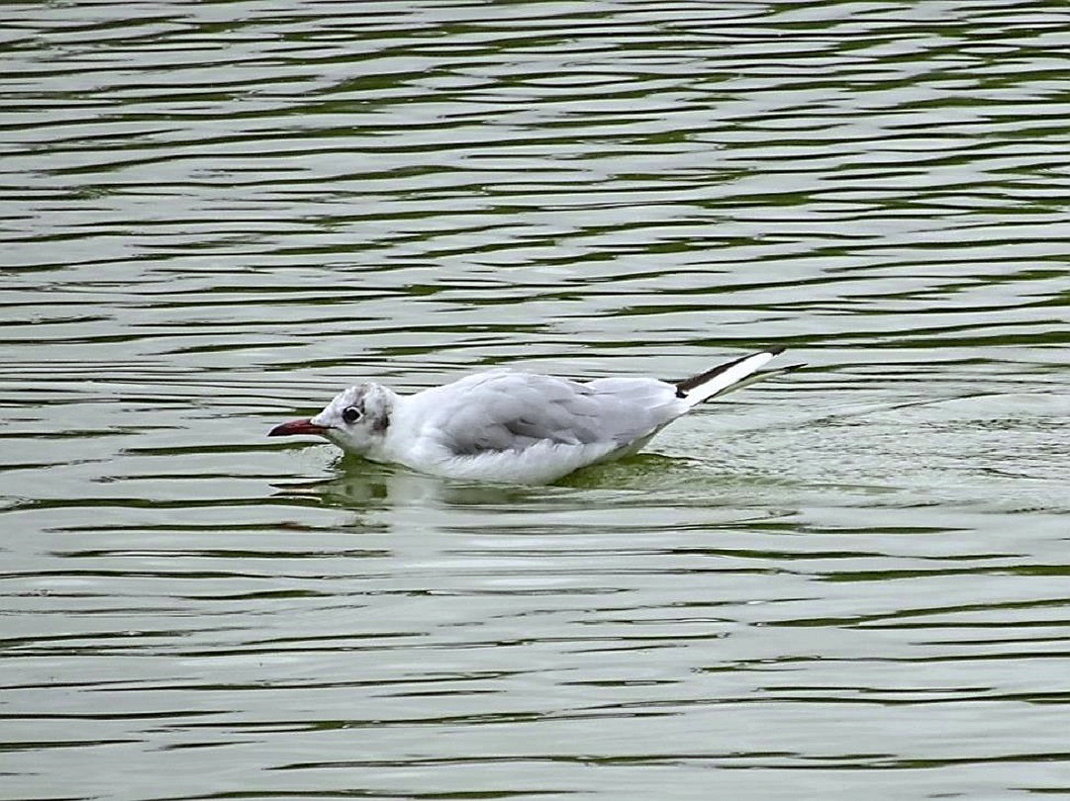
pixel 853 580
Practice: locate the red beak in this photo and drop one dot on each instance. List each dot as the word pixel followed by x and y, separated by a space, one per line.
pixel 296 427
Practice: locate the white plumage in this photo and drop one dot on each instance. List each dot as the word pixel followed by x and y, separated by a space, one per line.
pixel 516 427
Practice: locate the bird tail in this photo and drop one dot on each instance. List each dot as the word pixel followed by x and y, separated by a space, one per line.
pixel 729 377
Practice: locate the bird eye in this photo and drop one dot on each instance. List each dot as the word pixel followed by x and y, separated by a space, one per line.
pixel 351 414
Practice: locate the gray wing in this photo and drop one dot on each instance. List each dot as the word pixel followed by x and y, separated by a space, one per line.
pixel 508 411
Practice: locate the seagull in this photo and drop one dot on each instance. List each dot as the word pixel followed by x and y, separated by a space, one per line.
pixel 514 427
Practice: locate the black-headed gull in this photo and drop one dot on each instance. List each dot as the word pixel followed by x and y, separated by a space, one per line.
pixel 515 427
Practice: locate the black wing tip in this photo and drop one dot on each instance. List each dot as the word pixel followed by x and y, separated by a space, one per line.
pixel 685 385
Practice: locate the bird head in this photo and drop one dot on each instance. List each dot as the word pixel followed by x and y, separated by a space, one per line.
pixel 355 420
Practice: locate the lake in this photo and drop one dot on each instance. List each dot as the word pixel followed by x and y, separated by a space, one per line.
pixel 850 581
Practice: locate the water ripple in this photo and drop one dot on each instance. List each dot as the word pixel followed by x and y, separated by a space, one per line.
pixel 217 214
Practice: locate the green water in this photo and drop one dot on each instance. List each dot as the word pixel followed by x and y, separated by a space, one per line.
pixel 850 581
